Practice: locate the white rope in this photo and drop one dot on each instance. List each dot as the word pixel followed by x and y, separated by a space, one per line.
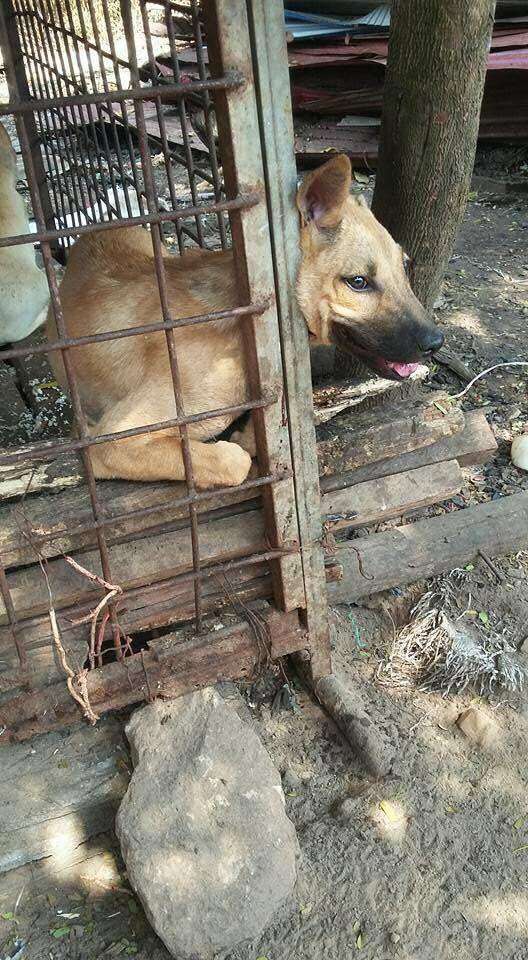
pixel 511 363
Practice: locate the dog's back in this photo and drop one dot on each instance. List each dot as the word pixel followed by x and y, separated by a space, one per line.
pixel 23 287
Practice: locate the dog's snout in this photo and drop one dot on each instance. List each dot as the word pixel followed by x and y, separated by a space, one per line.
pixel 430 340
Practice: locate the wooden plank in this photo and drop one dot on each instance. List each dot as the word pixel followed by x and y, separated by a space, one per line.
pixel 474 444
pixel 23 525
pixel 146 609
pixel 229 48
pixel 388 497
pixel 33 476
pixel 273 92
pixel 343 445
pixel 331 399
pixel 60 794
pixel 354 440
pixel 133 564
pixel 170 667
pixel 429 547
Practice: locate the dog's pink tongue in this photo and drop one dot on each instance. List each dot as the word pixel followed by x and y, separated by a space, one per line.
pixel 402 369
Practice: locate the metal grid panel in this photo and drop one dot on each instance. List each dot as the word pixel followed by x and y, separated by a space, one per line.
pixel 85 142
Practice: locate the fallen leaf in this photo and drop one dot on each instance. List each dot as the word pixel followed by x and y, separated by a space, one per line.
pixel 519 823
pixel 60 932
pixel 484 617
pixel 390 811
pixel 7 916
pixel 359 941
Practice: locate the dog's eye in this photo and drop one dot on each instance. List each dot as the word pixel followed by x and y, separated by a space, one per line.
pixel 357 283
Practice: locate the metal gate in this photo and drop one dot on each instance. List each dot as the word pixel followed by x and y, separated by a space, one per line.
pixel 92 122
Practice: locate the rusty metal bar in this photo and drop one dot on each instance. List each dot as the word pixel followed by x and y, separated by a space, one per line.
pixel 35 15
pixel 63 447
pixel 156 236
pixel 252 309
pixel 173 90
pixel 208 108
pixel 174 503
pixel 45 236
pixel 12 619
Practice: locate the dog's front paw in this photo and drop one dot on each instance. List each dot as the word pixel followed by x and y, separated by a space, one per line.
pixel 234 465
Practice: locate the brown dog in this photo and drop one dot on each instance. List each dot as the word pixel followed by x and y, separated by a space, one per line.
pixel 352 289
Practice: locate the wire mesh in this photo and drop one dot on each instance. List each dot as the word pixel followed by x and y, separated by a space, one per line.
pixel 111 141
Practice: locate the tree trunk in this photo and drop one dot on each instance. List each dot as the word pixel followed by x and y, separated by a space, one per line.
pixel 431 106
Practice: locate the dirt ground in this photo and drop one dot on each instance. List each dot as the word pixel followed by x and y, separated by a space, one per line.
pixel 431 862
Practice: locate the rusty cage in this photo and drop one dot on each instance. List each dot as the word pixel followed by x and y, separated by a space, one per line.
pixel 88 569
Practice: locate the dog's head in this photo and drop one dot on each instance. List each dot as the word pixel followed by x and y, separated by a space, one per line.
pixel 352 286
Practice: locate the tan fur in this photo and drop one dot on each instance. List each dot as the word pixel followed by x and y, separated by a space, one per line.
pixel 110 283
pixel 23 287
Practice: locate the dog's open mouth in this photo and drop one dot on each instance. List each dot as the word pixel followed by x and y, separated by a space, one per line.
pixel 389 369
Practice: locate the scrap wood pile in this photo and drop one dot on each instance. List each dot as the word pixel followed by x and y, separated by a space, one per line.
pixel 337 65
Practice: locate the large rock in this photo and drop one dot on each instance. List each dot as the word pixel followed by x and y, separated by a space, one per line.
pixel 206 841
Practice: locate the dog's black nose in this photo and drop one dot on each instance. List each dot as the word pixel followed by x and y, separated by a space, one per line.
pixel 431 340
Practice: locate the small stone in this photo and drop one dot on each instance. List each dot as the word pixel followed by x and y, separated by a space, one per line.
pixel 291 783
pixel 476 727
pixel 205 838
pixel 519 451
pixel 347 809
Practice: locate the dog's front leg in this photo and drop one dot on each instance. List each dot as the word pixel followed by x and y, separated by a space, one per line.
pixel 159 456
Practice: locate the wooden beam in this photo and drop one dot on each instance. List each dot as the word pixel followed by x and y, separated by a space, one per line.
pixel 333 398
pixel 354 440
pixel 378 500
pixel 171 666
pixel 136 564
pixel 474 444
pixel 429 547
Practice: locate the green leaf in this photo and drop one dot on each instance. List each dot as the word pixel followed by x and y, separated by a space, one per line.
pixel 359 941
pixel 60 932
pixel 64 764
pixel 469 567
pixel 519 823
pixel 484 617
pixel 132 906
pixel 390 811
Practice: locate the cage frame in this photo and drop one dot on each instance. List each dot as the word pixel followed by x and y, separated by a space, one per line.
pixel 249 85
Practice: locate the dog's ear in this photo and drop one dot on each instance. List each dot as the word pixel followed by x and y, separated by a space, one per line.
pixel 322 194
